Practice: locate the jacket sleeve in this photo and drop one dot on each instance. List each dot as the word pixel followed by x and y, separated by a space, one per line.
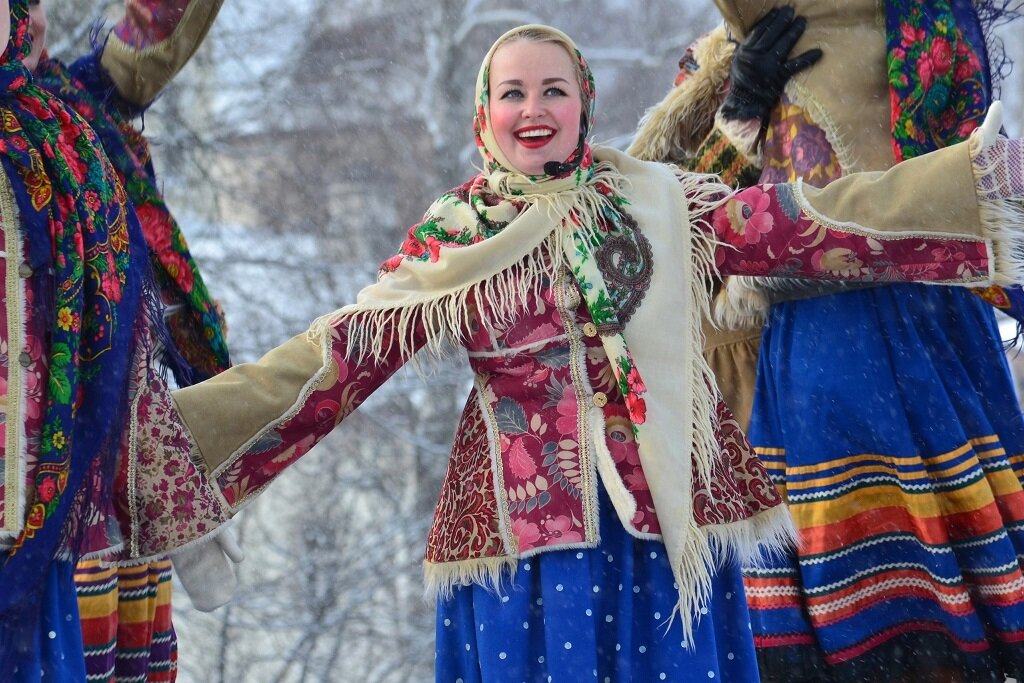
pixel 196 455
pixel 919 221
pixel 151 44
pixel 256 419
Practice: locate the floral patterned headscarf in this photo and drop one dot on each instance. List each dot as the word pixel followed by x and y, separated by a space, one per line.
pixel 939 79
pixel 197 329
pixel 497 167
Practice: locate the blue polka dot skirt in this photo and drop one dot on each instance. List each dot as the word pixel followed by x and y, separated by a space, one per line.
pixel 593 615
pixel 53 651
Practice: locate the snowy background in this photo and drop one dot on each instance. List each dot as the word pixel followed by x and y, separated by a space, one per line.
pixel 295 149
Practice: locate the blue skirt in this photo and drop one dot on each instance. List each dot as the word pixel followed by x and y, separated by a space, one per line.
pixel 599 614
pixel 51 650
pixel 889 417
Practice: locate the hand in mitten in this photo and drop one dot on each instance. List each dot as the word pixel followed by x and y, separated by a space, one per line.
pixel 760 68
pixel 998 160
pixel 206 570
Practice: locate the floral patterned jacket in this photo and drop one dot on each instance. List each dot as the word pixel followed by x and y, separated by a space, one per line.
pixel 523 473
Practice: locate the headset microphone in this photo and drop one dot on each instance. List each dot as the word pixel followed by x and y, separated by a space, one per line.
pixel 557 168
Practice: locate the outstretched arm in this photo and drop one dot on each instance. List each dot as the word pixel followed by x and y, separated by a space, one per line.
pixel 929 219
pixel 213 446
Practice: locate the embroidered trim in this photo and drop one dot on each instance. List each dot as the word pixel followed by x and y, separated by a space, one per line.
pixel 858 229
pixel 582 387
pixel 15 441
pixel 500 493
pixel 133 477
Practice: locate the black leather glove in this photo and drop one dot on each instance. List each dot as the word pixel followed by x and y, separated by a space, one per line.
pixel 760 67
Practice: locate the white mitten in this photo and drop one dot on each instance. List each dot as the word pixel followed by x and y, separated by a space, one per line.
pixel 998 160
pixel 206 570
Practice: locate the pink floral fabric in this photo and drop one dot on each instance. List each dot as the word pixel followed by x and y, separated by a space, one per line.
pixel 770 236
pixel 522 475
pixel 249 472
pixel 165 501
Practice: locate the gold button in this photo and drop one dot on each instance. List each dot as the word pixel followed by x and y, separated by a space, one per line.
pixel 600 399
pixel 590 329
pixel 24 359
pixel 25 270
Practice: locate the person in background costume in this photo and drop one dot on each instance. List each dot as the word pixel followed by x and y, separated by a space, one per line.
pixel 126 612
pixel 696 127
pixel 886 414
pixel 81 318
pixel 599 491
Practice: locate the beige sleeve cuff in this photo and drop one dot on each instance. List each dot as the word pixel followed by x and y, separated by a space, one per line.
pixel 140 74
pixel 230 410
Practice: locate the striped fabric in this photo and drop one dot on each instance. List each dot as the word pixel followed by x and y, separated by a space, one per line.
pixel 126 622
pixel 717 154
pixel 902 461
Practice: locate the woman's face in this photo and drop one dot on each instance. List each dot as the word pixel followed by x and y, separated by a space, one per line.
pixel 36 29
pixel 535 104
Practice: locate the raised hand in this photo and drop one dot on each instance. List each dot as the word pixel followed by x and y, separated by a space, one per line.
pixel 761 68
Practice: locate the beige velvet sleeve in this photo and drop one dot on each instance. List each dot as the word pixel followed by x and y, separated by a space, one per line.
pixel 141 73
pixel 225 412
pixel 933 194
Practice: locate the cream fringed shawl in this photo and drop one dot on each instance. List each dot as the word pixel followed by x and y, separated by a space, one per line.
pixel 482 249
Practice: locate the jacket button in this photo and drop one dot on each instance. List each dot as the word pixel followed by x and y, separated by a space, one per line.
pixel 590 330
pixel 25 270
pixel 24 359
pixel 600 399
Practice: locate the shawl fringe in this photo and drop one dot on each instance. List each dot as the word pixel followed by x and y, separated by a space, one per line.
pixel 705 193
pixel 441 579
pixel 716 546
pixel 694 559
pixel 496 299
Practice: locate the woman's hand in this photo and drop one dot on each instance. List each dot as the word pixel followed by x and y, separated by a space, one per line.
pixel 998 160
pixel 761 68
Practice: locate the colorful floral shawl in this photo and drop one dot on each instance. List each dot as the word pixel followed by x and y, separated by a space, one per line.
pixel 940 88
pixel 198 330
pixel 481 250
pixel 87 246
